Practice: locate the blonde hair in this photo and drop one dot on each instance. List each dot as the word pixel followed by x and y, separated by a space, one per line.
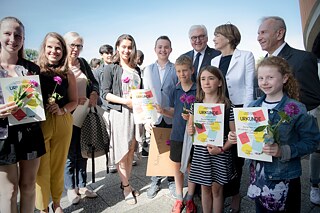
pixel 231 32
pixel 62 66
pixel 221 90
pixel 70 36
pixel 14 19
pixel 291 86
pixel 184 60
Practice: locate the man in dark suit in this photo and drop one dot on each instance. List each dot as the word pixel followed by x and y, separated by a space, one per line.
pixel 271 36
pixel 198 35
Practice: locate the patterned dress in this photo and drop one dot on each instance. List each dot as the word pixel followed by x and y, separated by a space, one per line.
pixel 271 194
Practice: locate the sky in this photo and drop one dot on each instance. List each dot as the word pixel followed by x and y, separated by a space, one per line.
pixel 103 21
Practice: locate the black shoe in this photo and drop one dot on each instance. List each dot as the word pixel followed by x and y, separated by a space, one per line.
pixel 144 153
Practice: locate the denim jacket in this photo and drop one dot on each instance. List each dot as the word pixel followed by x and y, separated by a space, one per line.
pixel 298 137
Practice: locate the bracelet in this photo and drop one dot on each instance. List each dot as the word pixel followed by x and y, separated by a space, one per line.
pixel 221 149
pixel 65 110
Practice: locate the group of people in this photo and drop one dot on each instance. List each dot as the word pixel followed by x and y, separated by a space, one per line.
pixel 42 158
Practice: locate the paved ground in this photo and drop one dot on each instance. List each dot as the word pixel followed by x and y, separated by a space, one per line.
pixel 110 198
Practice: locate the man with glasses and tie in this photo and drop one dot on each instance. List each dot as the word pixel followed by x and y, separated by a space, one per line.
pixel 201 53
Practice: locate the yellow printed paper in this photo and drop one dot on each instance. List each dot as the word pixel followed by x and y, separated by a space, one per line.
pixel 142 106
pixel 209 122
pixel 250 143
pixel 247 149
pixel 242 114
pixel 259 136
pixel 202 137
pixel 215 126
pixel 31 108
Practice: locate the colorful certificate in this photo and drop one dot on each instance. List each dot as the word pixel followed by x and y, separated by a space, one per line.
pixel 250 143
pixel 209 124
pixel 26 92
pixel 143 106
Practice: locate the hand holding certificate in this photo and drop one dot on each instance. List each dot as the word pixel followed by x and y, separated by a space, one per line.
pixel 209 124
pixel 26 93
pixel 143 106
pixel 250 142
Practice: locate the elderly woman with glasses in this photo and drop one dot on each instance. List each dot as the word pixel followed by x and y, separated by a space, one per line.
pixel 75 174
pixel 237 67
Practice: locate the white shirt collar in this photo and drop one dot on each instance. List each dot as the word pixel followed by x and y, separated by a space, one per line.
pixel 277 51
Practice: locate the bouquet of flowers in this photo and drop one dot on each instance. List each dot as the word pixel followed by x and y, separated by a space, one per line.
pixel 26 90
pixel 272 133
pixel 187 99
pixel 55 96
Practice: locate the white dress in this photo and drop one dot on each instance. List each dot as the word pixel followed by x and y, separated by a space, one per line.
pixel 122 126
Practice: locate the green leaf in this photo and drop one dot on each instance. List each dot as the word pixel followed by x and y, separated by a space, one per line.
pixel 260 128
pixel 198 125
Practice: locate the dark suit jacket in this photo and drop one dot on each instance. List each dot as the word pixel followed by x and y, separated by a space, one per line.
pixel 209 54
pixel 305 70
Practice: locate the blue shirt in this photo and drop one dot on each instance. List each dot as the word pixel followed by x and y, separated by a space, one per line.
pixel 179 124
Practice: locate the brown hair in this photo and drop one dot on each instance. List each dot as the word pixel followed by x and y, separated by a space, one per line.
pixel 291 86
pixel 184 60
pixel 62 66
pixel 133 56
pixel 14 19
pixel 163 38
pixel 231 32
pixel 221 90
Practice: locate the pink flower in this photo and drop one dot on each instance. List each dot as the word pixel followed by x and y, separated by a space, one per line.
pixel 34 83
pixel 57 79
pixel 168 142
pixel 190 99
pixel 183 98
pixel 291 109
pixel 54 95
pixel 126 80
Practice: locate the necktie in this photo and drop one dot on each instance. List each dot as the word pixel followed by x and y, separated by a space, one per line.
pixel 195 66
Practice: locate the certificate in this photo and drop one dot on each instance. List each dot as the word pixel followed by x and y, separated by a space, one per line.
pixel 27 91
pixel 250 143
pixel 142 104
pixel 209 124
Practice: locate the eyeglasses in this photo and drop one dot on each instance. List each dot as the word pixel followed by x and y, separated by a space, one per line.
pixel 79 46
pixel 200 37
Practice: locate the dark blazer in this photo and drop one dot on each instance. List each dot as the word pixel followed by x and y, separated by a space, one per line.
pixel 209 54
pixel 305 70
pixel 111 83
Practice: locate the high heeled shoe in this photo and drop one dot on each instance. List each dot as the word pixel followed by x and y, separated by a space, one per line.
pixel 135 192
pixel 129 198
pixel 57 210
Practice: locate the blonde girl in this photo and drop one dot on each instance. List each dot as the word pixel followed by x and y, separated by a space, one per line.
pixel 57 129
